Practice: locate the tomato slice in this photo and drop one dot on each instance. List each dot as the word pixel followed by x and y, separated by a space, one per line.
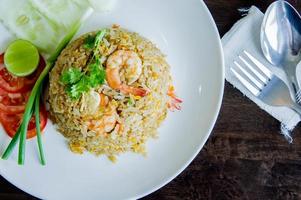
pixel 11 123
pixel 14 84
pixel 31 79
pixel 13 103
pixel 9 82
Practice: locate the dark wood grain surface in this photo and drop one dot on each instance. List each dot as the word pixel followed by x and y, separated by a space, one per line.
pixel 245 157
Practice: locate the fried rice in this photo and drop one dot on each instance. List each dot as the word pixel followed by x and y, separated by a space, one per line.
pixel 138 118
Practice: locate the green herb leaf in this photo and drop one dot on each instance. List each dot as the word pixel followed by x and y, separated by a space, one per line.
pixel 71 75
pixel 97 78
pixel 89 42
pixel 97 74
pixel 94 41
pixel 76 90
pixel 78 82
pixel 99 37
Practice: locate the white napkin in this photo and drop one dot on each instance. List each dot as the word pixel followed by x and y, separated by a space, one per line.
pixel 245 35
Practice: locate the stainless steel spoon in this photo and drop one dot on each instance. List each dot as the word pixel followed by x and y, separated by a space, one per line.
pixel 281 41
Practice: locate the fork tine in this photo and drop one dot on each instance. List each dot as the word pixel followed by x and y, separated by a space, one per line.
pixel 298 96
pixel 263 78
pixel 255 91
pixel 260 66
pixel 249 76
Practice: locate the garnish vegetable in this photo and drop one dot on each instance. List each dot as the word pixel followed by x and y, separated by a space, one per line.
pixel 35 96
pixel 78 82
pixel 21 58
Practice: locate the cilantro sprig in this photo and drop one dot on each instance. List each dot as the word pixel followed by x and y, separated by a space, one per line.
pixel 89 42
pixel 71 75
pixel 78 82
pixel 97 74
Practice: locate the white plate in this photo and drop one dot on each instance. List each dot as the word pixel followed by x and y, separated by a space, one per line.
pixel 185 31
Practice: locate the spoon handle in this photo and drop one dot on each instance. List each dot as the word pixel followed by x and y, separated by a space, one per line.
pixel 294 85
pixel 296 107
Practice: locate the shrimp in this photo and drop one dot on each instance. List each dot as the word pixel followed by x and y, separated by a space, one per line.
pixel 106 123
pixel 109 122
pixel 92 102
pixel 104 100
pixel 133 69
pixel 174 102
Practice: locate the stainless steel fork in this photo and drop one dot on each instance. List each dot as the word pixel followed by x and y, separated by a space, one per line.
pixel 262 83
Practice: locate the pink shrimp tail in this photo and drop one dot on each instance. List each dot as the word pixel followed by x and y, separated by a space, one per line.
pixel 174 102
pixel 134 91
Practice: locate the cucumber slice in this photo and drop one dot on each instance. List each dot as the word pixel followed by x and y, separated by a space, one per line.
pixel 21 58
pixel 27 23
pixel 63 12
pixel 43 22
pixel 102 5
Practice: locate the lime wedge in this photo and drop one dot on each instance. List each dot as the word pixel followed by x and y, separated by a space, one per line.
pixel 21 58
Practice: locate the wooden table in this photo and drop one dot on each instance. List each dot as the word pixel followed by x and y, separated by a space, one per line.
pixel 245 157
